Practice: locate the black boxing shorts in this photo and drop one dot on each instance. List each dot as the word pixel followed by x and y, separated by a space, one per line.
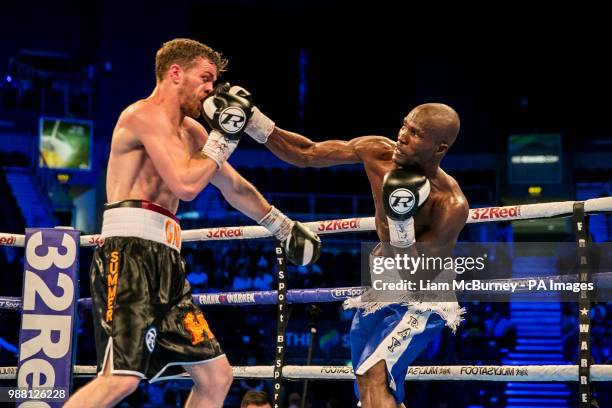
pixel 145 321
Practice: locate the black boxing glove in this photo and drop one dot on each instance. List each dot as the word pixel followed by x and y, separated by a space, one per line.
pixel 404 190
pixel 302 246
pixel 259 126
pixel 228 110
pixel 227 113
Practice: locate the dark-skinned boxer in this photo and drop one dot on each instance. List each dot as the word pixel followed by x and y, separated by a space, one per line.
pixel 426 134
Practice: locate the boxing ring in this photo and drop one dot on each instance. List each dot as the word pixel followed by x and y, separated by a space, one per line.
pixel 584 372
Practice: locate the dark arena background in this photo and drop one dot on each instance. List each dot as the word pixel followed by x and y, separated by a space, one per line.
pixel 533 94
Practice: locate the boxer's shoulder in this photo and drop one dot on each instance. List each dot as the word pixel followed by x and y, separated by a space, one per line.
pixel 454 189
pixel 447 198
pixel 373 147
pixel 144 117
pixel 137 122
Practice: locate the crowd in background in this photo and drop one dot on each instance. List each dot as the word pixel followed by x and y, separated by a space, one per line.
pixel 485 337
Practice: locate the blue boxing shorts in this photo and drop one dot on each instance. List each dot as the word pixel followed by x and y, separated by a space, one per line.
pixel 396 334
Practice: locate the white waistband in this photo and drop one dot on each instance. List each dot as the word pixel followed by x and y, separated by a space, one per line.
pixel 141 223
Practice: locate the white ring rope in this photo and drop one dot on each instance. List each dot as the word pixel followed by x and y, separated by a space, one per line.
pixel 599 372
pixel 476 215
pixel 427 373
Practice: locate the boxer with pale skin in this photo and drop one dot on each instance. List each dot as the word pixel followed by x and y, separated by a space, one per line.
pixel 146 324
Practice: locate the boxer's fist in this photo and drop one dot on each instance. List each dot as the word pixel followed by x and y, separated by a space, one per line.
pixel 303 247
pixel 259 126
pixel 228 110
pixel 404 190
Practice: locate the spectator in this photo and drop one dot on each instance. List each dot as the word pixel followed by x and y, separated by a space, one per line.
pixel 501 329
pixel 256 399
pixel 294 400
pixel 242 281
pixel 252 384
pixel 263 280
pixel 198 279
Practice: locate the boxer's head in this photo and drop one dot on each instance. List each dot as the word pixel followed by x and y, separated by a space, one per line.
pixel 191 68
pixel 255 399
pixel 426 135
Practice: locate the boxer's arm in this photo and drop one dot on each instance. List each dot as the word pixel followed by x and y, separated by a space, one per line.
pixel 236 190
pixel 302 245
pixel 186 175
pixel 239 193
pixel 303 152
pixel 300 150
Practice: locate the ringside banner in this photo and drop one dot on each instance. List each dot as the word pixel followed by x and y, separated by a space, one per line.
pixel 49 302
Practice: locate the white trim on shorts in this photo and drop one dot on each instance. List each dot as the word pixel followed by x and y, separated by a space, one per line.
pixel 391 357
pixel 157 377
pixel 109 349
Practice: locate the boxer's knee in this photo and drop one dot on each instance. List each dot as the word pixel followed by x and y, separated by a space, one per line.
pixel 213 378
pixel 224 379
pixel 120 385
pixel 374 378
